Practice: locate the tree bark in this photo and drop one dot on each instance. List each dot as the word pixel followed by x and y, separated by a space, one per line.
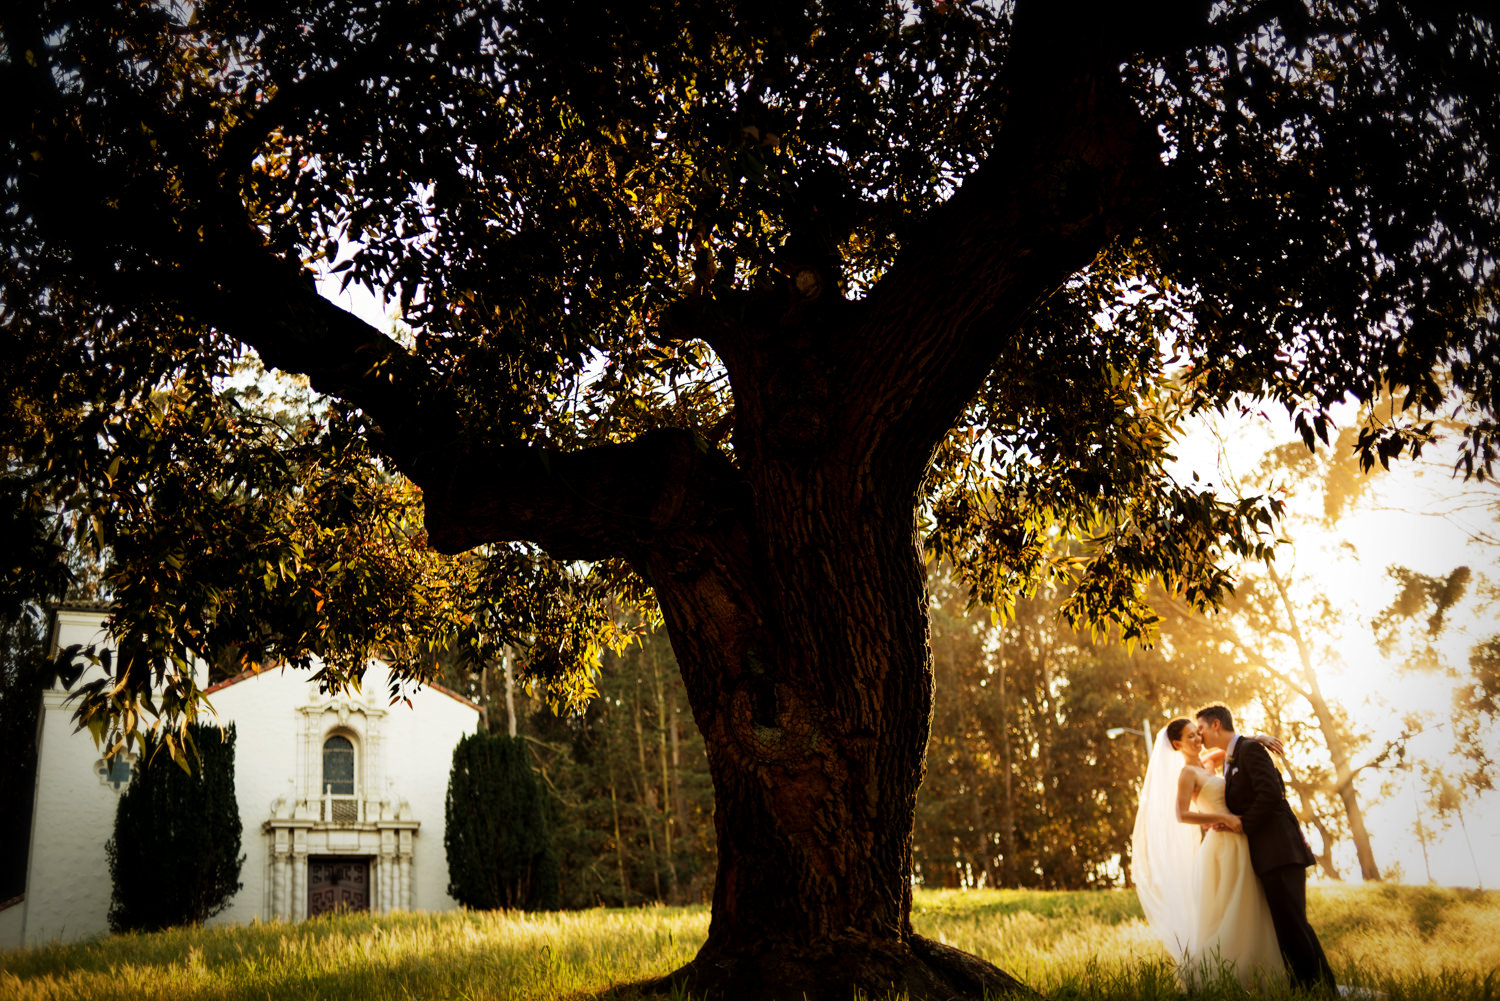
pixel 815 709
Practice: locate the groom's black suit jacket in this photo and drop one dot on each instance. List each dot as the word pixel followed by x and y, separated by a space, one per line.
pixel 1253 790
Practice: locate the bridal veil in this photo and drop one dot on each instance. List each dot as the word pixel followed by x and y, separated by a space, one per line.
pixel 1161 850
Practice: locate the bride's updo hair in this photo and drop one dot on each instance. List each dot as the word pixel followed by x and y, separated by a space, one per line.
pixel 1175 728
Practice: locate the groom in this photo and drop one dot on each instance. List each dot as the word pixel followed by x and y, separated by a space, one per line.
pixel 1278 852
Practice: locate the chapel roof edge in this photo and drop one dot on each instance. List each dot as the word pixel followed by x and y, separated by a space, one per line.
pixel 257 671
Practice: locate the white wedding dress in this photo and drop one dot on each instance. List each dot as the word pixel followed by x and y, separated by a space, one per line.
pixel 1199 892
pixel 1232 926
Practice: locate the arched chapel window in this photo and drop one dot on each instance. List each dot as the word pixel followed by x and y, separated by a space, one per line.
pixel 338 779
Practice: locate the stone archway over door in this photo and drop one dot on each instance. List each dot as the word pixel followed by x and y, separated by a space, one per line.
pixel 337 884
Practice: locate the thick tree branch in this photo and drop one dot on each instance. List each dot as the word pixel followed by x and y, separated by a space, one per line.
pixel 1073 167
pixel 668 489
pixel 610 500
pixel 206 259
pixel 388 54
pixel 605 501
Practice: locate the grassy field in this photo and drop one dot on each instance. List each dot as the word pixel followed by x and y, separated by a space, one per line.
pixel 1405 942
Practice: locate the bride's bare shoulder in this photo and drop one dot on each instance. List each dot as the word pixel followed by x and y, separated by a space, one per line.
pixel 1194 774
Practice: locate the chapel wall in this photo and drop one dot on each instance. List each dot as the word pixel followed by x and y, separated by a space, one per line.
pixel 73 812
pixel 263 711
pixel 431 729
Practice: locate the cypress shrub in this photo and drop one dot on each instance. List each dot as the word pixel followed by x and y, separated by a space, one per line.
pixel 175 855
pixel 24 671
pixel 499 849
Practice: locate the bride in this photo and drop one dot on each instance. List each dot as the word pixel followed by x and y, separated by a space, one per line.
pixel 1199 892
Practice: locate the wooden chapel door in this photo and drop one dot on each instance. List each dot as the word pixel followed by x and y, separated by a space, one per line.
pixel 337 884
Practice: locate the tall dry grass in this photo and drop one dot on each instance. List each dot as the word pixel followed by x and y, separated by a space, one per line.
pixel 1407 943
pixel 1400 941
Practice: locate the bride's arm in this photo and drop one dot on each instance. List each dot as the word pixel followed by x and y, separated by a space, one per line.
pixel 1269 743
pixel 1187 784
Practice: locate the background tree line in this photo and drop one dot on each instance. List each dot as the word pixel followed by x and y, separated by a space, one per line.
pixel 629 800
pixel 1024 788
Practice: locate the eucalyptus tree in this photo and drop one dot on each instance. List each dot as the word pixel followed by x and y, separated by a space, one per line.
pixel 712 300
pixel 1024 785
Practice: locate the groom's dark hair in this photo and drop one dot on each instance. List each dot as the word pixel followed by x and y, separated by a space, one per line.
pixel 1217 713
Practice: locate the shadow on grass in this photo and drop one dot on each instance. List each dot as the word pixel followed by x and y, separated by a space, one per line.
pixel 1109 907
pixel 653 989
pixel 275 960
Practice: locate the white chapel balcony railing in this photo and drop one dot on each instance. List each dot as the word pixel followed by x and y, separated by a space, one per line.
pixel 340 808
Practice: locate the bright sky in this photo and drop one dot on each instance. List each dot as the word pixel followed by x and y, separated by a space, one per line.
pixel 356 298
pixel 1418 516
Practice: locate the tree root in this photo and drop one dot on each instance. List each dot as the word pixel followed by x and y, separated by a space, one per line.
pixel 922 971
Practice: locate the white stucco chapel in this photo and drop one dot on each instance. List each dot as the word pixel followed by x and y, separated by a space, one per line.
pixel 341 798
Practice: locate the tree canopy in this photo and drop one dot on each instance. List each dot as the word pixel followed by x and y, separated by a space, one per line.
pixel 721 303
pixel 583 226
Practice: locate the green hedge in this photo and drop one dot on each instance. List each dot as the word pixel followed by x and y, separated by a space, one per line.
pixel 175 855
pixel 499 849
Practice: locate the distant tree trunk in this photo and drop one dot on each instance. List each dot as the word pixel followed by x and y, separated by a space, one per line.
pixel 677 800
pixel 510 692
pixel 1464 826
pixel 1008 873
pixel 614 810
pixel 666 776
pixel 1309 815
pixel 982 848
pixel 485 723
pixel 1337 752
pixel 1421 830
pixel 646 793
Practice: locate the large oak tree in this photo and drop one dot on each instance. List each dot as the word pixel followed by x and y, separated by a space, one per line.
pixel 739 302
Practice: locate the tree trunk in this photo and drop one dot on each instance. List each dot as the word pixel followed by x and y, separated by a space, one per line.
pixel 1337 752
pixel 614 810
pixel 669 805
pixel 815 709
pixel 510 693
pixel 789 576
pixel 646 795
pixel 1008 875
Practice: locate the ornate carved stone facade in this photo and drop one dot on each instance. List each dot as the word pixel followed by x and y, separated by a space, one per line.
pixel 313 821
